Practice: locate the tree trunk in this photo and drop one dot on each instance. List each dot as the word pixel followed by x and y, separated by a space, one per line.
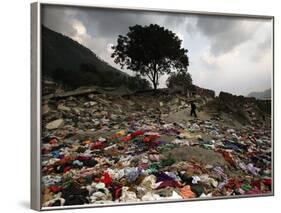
pixel 154 85
pixel 155 77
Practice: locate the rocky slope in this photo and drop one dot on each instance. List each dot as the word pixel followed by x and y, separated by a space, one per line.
pixel 103 147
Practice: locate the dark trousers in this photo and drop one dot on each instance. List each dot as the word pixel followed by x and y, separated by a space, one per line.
pixel 193 112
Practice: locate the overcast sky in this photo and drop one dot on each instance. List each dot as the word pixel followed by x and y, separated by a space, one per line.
pixel 225 53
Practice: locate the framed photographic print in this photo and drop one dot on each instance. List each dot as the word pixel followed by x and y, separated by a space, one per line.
pixel 138 106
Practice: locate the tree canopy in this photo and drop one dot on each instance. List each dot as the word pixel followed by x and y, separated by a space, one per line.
pixel 180 79
pixel 150 51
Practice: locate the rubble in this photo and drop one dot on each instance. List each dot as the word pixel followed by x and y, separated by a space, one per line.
pixel 45 109
pixel 55 124
pixel 101 148
pixel 63 108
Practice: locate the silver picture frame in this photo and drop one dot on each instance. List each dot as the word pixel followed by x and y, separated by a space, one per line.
pixel 36 100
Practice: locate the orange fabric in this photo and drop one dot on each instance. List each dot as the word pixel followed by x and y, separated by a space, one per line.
pixel 87 142
pixel 150 138
pixel 227 156
pixel 127 138
pixel 186 192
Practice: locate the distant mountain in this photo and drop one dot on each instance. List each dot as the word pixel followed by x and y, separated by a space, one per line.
pixel 261 95
pixel 66 61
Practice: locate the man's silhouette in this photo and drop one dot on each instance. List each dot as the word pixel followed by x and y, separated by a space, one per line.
pixel 193 110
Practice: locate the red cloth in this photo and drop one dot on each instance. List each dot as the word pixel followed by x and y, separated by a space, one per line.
pixel 66 169
pixel 233 183
pixel 53 141
pixel 116 191
pixel 267 182
pixel 256 184
pixel 97 145
pixel 106 179
pixel 127 138
pixel 83 158
pixel 150 138
pixel 137 133
pixel 55 189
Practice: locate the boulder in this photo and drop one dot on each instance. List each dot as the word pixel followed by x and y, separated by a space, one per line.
pixel 63 108
pixel 55 124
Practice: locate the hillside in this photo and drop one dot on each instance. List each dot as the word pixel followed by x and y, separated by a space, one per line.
pixel 261 95
pixel 66 61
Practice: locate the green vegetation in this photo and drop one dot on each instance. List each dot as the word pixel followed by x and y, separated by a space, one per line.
pixel 151 51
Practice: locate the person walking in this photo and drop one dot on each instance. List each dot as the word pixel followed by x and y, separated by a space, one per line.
pixel 193 110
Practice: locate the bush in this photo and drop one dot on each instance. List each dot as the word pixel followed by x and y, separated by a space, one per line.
pixel 179 79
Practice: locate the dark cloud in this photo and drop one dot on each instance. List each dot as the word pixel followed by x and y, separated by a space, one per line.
pixel 110 23
pixel 58 19
pixel 208 39
pixel 107 23
pixel 103 25
pixel 226 33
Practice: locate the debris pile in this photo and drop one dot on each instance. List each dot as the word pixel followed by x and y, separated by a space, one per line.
pixel 100 148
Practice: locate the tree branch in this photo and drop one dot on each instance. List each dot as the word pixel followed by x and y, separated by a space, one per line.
pixel 150 78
